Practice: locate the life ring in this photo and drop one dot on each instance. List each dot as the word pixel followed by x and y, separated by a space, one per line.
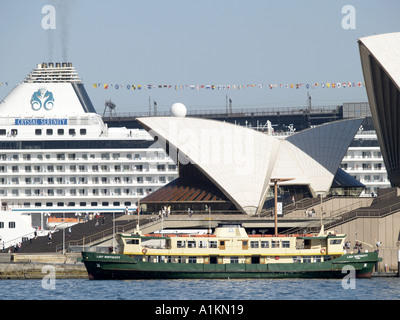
pixel 322 250
pixel 144 251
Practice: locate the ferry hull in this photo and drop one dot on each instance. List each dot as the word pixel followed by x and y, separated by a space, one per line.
pixel 115 266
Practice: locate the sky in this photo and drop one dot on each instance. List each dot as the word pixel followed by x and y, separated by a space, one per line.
pixel 194 43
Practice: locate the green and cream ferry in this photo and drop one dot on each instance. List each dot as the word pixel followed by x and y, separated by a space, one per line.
pixel 228 253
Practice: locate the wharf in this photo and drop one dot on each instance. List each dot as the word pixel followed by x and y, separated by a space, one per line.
pixel 37 266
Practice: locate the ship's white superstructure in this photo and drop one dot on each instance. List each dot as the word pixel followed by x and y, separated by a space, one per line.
pixel 59 157
pixel 364 161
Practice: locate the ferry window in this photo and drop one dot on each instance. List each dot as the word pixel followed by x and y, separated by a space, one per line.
pixel 2 132
pixel 84 156
pixel 161 167
pixel 38 204
pixel 27 204
pixel 234 259
pixel 11 224
pixel 60 132
pixel 254 244
pixel 60 156
pixel 104 204
pixel 327 258
pixel 212 244
pixel 93 204
pixel 180 244
pixel 317 259
pixel 306 259
pixel 335 241
pixel 264 244
pixel 49 132
pixel 296 259
pixel 192 259
pixel 127 203
pixel 202 244
pixel 72 192
pixel 38 132
pixel 71 156
pixel 191 244
pixel 49 204
pixel 60 204
pixel 14 132
pixel 1 225
pixel 275 244
pixel 71 132
pixel 116 203
pixel 132 241
pixel 82 132
pixel 82 204
pixel 181 259
pixel 71 204
pixel 285 244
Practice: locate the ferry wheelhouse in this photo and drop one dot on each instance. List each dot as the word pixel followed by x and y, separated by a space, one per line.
pixel 228 253
pixel 59 159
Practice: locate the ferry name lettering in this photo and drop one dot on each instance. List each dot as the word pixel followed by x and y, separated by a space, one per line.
pixel 107 257
pixel 40 122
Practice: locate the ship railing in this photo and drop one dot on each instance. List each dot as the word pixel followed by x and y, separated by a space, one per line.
pixel 235 112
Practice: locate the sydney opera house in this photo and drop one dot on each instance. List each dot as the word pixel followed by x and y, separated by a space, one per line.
pixel 380 60
pixel 232 168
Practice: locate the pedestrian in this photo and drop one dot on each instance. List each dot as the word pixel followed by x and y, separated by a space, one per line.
pixel 69 231
pixel 103 222
pixel 49 238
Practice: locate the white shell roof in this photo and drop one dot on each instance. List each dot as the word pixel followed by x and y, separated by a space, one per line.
pixel 241 161
pixel 386 50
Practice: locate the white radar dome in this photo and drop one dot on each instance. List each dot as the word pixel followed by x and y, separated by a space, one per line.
pixel 178 110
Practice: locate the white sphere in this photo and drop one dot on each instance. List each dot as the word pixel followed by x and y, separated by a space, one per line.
pixel 178 110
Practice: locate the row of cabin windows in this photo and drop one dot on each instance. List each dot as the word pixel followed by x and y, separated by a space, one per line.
pixel 82 180
pixel 49 132
pixel 232 260
pixel 245 244
pixel 73 204
pixel 11 224
pixel 84 156
pixel 75 192
pixel 60 132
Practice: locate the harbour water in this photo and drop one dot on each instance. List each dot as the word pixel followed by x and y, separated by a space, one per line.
pixel 285 289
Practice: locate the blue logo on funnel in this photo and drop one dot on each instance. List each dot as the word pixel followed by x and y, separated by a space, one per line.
pixel 42 98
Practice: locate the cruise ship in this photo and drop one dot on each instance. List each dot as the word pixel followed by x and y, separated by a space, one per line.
pixel 364 162
pixel 59 159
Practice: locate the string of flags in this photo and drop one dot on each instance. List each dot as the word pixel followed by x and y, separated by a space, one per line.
pixel 333 85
